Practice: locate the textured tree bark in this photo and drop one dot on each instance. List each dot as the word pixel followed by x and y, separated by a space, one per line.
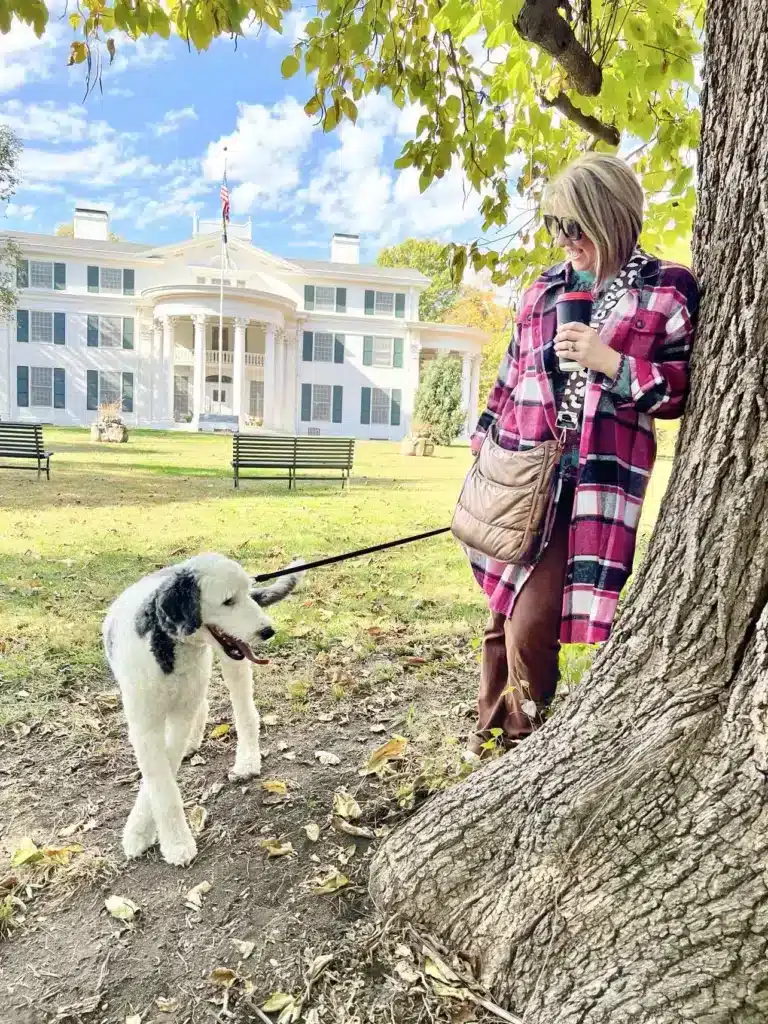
pixel 615 866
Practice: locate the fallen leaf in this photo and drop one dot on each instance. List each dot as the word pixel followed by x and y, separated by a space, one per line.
pixel 269 719
pixel 194 898
pixel 378 728
pixel 277 1001
pixel 121 907
pixel 289 756
pixel 223 976
pixel 75 1010
pixel 325 757
pixel 323 885
pixel 135 1018
pixel 275 786
pixel 347 854
pixel 415 661
pixel 407 972
pixel 392 750
pixel 213 790
pixel 450 991
pixel 275 848
pixel 61 854
pixel 345 806
pixel 218 731
pixel 440 971
pixel 26 853
pixel 325 716
pixel 70 830
pixel 317 967
pixel 197 818
pixel 197 760
pixel 244 948
pixel 404 952
pixel 166 1005
pixel 528 707
pixel 313 831
pixel 354 830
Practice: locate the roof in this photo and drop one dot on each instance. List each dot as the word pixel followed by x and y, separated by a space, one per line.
pixel 64 242
pixel 367 270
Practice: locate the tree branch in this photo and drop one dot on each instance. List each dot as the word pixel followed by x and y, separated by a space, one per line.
pixel 605 132
pixel 540 23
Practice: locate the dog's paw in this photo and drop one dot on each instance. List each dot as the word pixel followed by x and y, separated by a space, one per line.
pixel 246 767
pixel 137 841
pixel 179 852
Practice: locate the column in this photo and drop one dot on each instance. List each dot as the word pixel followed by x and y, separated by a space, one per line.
pixel 474 394
pixel 198 377
pixel 269 376
pixel 238 371
pixel 165 358
pixel 278 409
pixel 466 390
pixel 414 375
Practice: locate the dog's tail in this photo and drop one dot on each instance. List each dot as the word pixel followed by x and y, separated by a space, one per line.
pixel 281 588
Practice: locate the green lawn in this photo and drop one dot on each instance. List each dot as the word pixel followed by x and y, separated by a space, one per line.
pixel 111 513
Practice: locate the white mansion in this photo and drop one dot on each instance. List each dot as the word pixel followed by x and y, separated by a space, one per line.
pixel 308 346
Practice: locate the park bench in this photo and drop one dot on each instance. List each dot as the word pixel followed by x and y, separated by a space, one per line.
pixel 259 451
pixel 24 441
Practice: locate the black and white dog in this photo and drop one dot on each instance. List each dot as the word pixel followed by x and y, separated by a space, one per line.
pixel 159 637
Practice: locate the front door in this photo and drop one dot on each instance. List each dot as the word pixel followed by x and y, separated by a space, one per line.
pixel 216 393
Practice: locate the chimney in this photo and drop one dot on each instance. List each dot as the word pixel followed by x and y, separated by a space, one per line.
pixel 91 222
pixel 345 249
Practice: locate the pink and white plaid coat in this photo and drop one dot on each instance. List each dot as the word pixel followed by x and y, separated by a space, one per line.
pixel 652 326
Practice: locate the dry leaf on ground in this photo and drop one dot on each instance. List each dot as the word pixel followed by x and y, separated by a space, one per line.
pixel 392 750
pixel 269 719
pixel 326 757
pixel 121 907
pixel 331 881
pixel 354 830
pixel 277 1001
pixel 275 786
pixel 223 976
pixel 218 731
pixel 313 831
pixel 166 1005
pixel 197 818
pixel 194 898
pixel 345 806
pixel 275 848
pixel 244 948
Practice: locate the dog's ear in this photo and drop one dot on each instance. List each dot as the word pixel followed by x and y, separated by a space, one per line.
pixel 177 603
pixel 281 588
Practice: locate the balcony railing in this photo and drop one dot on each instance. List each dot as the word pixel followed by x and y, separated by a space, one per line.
pixel 186 356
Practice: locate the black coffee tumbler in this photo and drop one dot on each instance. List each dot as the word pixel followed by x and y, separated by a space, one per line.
pixel 573 308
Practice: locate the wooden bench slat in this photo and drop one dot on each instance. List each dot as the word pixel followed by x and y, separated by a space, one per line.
pixel 24 441
pixel 292 453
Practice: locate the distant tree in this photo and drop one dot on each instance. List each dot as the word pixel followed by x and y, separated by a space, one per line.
pixel 432 259
pixel 10 151
pixel 474 307
pixel 438 400
pixel 67 230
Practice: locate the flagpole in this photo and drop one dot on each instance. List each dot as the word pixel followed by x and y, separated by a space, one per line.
pixel 221 285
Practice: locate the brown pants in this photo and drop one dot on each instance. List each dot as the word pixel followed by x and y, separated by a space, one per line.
pixel 519 670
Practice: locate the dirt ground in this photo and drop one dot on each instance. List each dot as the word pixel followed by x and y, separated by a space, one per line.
pixel 261 928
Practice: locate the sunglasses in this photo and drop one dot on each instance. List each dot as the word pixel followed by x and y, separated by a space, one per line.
pixel 569 227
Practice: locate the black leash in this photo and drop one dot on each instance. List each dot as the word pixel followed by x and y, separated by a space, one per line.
pixel 263 577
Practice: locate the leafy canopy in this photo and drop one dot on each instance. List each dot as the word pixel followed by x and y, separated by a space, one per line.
pixel 509 90
pixel 438 399
pixel 433 260
pixel 477 308
pixel 10 151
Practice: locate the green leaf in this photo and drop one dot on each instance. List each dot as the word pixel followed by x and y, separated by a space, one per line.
pixel 290 66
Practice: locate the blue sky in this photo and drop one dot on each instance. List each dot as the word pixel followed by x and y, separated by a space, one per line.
pixel 151 147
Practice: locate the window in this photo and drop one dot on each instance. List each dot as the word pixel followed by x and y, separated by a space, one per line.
pixel 378 406
pixel 201 280
pixel 41 387
pixel 323 350
pixel 110 332
pixel 111 280
pixel 321 402
pixel 383 351
pixel 385 304
pixel 40 275
pixel 256 399
pixel 41 327
pixel 108 388
pixel 224 339
pixel 241 284
pixel 216 393
pixel 181 390
pixel 325 298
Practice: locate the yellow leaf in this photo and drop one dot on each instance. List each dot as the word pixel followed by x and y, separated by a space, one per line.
pixel 392 750
pixel 74 21
pixel 275 848
pixel 276 786
pixel 219 730
pixel 194 898
pixel 223 976
pixel 26 853
pixel 277 1001
pixel 61 854
pixel 323 885
pixel 78 51
pixel 345 806
pixel 197 819
pixel 121 908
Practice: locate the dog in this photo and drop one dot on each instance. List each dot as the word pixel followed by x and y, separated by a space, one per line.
pixel 159 639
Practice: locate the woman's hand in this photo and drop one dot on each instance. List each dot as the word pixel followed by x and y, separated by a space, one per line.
pixel 582 344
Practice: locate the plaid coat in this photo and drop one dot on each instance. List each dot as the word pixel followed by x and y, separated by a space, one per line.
pixel 652 326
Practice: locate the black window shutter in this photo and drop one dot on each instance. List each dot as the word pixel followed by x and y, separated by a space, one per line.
pixel 397 353
pixel 22 274
pixel 338 348
pixel 370 303
pixel 306 352
pixel 59 277
pixel 306 403
pixel 92 394
pixel 341 300
pixel 22 386
pixel 395 406
pixel 127 392
pixel 93 332
pixel 338 397
pixel 22 325
pixel 400 305
pixel 365 405
pixel 59 328
pixel 128 332
pixel 129 282
pixel 59 389
pixel 309 296
pixel 93 279
pixel 368 350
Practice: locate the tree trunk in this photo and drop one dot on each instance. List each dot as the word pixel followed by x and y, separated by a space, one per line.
pixel 615 866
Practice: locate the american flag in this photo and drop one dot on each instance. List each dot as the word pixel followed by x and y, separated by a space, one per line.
pixel 224 196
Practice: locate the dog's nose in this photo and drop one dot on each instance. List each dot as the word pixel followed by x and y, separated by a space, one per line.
pixel 267 633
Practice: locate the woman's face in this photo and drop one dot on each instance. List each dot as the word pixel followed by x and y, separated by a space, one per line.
pixel 581 253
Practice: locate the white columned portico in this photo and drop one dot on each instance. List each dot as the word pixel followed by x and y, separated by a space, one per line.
pixel 166 354
pixel 269 375
pixel 198 378
pixel 238 370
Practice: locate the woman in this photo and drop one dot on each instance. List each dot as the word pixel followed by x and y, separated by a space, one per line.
pixel 634 359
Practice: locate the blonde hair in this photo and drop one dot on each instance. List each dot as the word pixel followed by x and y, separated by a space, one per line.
pixel 604 195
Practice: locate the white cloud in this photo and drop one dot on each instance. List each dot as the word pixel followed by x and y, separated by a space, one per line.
pixel 132 53
pixel 50 122
pixel 264 153
pixel 24 211
pixel 25 58
pixel 173 120
pixel 103 163
pixel 293 29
